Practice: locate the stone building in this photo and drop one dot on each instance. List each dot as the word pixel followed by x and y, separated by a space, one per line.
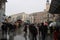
pixel 23 16
pixel 43 16
pixel 2 9
pixel 39 17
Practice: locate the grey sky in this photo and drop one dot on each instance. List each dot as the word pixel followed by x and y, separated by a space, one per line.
pixel 27 6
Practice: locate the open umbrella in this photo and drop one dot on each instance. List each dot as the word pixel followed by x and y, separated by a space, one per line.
pixel 52 24
pixel 56 24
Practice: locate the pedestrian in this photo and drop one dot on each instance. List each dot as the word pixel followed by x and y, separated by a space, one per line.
pixel 25 31
pixel 4 31
pixel 4 28
pixel 33 31
pixel 19 25
pixel 43 31
pixel 57 33
pixel 39 31
pixel 10 28
pixel 51 32
pixel 20 22
pixel 11 31
pixel 15 28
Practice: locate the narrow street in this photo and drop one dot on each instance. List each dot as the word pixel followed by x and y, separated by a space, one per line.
pixel 29 19
pixel 20 36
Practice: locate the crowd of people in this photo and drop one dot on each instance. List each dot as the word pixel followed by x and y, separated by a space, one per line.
pixel 30 29
pixel 43 31
pixel 34 30
pixel 9 28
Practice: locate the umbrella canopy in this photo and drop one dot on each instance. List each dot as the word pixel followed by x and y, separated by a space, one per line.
pixel 52 24
pixel 56 24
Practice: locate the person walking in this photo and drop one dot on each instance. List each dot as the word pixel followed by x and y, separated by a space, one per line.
pixel 4 31
pixel 33 31
pixel 57 33
pixel 39 29
pixel 25 31
pixel 43 31
pixel 4 28
pixel 15 28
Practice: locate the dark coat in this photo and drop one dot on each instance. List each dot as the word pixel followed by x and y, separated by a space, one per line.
pixel 44 28
pixel 4 27
pixel 25 29
pixel 7 26
pixel 10 26
pixel 14 27
pixel 33 29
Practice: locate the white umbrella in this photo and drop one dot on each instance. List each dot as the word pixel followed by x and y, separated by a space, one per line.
pixel 52 24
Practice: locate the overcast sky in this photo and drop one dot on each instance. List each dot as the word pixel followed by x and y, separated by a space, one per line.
pixel 27 6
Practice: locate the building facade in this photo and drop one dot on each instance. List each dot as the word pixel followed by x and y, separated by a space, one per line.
pixel 39 17
pixel 22 16
pixel 2 9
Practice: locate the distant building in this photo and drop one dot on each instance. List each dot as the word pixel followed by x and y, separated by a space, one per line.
pixel 2 10
pixel 23 16
pixel 39 17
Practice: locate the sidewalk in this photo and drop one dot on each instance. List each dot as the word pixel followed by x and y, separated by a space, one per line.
pixel 20 37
